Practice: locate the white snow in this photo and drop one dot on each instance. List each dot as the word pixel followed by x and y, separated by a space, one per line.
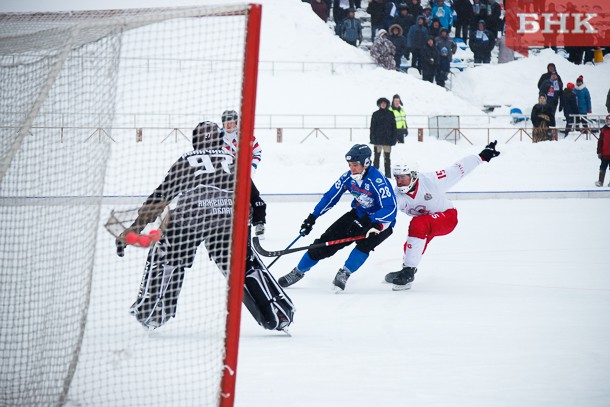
pixel 511 309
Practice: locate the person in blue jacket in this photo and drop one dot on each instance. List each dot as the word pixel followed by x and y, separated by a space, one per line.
pixel 373 215
pixel 444 14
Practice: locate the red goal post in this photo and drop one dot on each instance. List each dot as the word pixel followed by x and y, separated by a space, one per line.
pixel 242 207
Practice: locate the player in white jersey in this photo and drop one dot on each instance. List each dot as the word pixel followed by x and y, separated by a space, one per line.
pixel 230 124
pixel 423 196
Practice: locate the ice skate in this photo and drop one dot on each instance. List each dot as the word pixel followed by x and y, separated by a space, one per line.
pixel 404 279
pixel 289 279
pixel 389 278
pixel 341 279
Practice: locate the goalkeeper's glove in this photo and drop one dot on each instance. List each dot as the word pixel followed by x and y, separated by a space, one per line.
pixel 489 152
pixel 120 248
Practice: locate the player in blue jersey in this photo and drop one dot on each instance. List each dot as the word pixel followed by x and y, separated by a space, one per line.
pixel 373 215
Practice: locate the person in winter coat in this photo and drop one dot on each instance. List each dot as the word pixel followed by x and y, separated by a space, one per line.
pixel 603 152
pixel 553 89
pixel 444 64
pixel 400 116
pixel 383 51
pixel 429 60
pixel 444 41
pixel 479 12
pixel 464 16
pixel 416 40
pixel 390 13
pixel 569 105
pixel 321 9
pixel 383 134
pixel 584 101
pixel 376 9
pixel 340 12
pixel 494 18
pixel 444 14
pixel 542 117
pixel 405 21
pixel 415 8
pixel 550 68
pixel 481 44
pixel 434 30
pixel 400 44
pixel 351 29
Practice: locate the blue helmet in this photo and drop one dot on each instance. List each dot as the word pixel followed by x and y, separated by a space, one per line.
pixel 359 153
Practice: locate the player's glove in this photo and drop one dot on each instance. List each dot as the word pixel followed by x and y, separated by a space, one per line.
pixel 489 152
pixel 373 231
pixel 307 225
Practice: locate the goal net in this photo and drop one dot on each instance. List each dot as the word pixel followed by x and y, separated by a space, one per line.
pixel 97 106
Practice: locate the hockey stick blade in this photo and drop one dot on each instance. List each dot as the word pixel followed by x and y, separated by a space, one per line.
pixel 263 252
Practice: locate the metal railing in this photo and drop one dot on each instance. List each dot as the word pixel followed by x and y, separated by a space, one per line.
pixel 484 127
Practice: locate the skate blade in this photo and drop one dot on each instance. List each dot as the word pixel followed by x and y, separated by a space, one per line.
pixel 397 287
pixel 287 332
pixel 337 289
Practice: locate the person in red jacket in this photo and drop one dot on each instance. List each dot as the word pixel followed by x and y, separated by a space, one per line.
pixel 603 152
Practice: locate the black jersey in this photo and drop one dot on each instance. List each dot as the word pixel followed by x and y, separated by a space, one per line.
pixel 202 183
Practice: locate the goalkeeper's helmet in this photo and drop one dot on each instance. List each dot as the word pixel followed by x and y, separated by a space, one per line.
pixel 207 136
pixel 404 169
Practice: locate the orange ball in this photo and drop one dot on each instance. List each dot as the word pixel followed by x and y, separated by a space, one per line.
pixel 131 238
pixel 155 235
pixel 144 240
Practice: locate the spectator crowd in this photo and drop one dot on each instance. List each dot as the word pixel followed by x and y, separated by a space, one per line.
pixel 422 33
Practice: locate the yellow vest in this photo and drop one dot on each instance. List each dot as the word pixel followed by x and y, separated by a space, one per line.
pixel 401 118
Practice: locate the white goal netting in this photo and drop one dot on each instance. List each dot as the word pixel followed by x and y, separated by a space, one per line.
pixel 96 107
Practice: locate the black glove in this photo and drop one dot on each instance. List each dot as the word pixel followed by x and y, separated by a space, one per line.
pixel 489 152
pixel 307 225
pixel 120 248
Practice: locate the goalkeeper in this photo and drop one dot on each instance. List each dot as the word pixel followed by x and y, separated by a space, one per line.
pixel 202 181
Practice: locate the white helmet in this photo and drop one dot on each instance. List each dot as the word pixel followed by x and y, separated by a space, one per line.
pixel 404 169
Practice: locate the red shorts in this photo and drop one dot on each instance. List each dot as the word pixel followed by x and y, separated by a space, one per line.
pixel 434 224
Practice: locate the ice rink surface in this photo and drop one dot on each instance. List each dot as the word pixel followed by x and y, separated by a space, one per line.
pixel 511 309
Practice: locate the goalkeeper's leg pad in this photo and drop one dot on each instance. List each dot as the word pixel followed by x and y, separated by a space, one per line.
pixel 158 295
pixel 265 299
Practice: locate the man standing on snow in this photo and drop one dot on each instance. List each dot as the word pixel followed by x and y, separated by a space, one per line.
pixel 603 152
pixel 383 134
